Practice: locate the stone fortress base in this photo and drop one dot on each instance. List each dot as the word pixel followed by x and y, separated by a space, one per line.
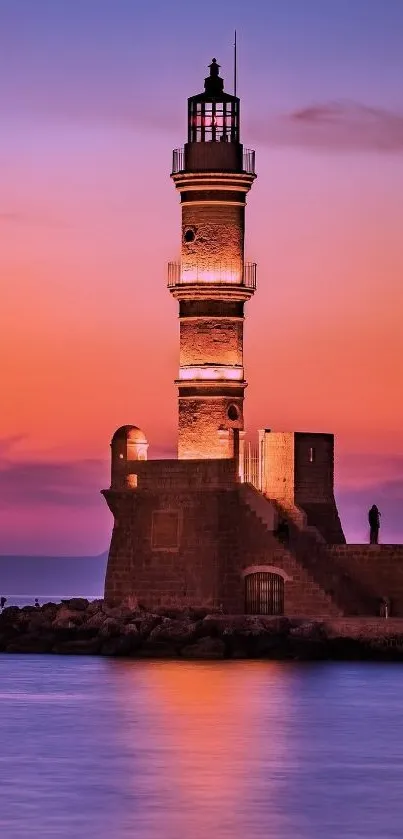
pixel 195 533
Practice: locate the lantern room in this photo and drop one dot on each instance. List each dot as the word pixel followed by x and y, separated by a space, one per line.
pixel 213 116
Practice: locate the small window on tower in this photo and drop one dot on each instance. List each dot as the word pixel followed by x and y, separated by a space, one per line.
pixel 233 413
pixel 189 235
pixel 311 455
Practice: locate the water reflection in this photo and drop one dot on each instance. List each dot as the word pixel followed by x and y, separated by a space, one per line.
pixel 221 750
pixel 220 730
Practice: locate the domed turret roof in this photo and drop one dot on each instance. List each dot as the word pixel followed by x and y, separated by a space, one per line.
pixel 129 433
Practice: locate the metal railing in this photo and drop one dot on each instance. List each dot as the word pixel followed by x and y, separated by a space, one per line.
pixel 212 273
pixel 248 161
pixel 251 465
pixel 178 161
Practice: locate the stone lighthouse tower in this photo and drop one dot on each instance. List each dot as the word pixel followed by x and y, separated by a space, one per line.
pixel 212 282
pixel 198 531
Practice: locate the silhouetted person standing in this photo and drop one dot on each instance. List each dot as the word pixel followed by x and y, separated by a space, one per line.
pixel 374 518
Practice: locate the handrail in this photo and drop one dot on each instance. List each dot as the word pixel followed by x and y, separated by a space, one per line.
pixel 178 161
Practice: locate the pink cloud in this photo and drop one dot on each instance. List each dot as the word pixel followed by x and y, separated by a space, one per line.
pixel 336 126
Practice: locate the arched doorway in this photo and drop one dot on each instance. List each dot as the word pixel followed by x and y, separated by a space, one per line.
pixel 264 594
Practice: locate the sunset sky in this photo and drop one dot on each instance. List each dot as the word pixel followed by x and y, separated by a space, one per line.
pixel 92 102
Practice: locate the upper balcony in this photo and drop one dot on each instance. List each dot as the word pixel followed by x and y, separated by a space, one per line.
pixel 213 157
pixel 212 274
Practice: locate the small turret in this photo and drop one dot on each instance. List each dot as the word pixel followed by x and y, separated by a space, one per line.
pixel 128 443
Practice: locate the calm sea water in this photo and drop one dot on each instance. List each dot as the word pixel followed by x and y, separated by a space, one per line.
pixel 174 750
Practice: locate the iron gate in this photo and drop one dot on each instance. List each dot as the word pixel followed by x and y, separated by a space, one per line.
pixel 264 594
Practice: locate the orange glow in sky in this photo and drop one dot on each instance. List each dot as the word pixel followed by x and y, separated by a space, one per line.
pixel 89 336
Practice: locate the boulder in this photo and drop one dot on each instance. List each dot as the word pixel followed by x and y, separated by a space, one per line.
pixel 96 620
pixel 11 616
pixel 131 629
pixel 123 645
pixel 78 604
pixel 205 648
pixel 95 606
pixel 119 613
pixel 145 624
pixel 110 627
pixel 157 649
pixel 312 630
pixel 179 632
pixel 30 644
pixel 77 646
pixel 67 617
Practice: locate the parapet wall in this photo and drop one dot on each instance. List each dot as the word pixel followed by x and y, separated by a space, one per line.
pixel 175 474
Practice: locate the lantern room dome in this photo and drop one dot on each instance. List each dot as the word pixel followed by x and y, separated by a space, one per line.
pixel 129 434
pixel 213 115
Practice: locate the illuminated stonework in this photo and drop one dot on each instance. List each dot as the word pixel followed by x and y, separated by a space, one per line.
pixel 213 174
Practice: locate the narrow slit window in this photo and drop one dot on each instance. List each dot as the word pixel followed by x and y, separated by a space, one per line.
pixel 311 454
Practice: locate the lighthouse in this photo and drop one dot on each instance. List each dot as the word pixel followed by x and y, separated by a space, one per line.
pixel 212 282
pixel 204 530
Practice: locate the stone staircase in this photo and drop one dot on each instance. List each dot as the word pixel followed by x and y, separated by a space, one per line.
pixel 306 543
pixel 305 595
pixel 343 594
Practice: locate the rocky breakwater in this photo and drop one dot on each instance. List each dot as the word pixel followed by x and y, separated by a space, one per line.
pixel 79 627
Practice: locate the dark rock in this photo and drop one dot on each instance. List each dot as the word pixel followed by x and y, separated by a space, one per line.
pixel 77 646
pixel 311 630
pixel 173 612
pixel 49 610
pixel 110 627
pixel 175 631
pixel 119 613
pixel 205 648
pixel 197 614
pixel 67 617
pixel 10 616
pixel 30 644
pixel 157 649
pixel 131 629
pixel 96 620
pixel 125 645
pixel 95 606
pixel 146 624
pixel 78 604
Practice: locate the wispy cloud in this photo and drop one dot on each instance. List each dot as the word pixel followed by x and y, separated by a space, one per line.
pixel 9 442
pixel 37 482
pixel 336 126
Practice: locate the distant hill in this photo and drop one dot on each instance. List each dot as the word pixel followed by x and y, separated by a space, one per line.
pixel 50 576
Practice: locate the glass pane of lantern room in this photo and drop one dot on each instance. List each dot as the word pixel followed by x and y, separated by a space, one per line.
pixel 208 121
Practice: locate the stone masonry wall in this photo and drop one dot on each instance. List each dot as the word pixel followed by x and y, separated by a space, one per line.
pixel 378 567
pixel 298 470
pixel 199 424
pixel 183 548
pixel 140 566
pixel 278 467
pixel 176 474
pixel 211 341
pixel 313 468
pixel 219 235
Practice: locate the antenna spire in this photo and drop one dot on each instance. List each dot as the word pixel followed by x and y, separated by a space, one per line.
pixel 235 64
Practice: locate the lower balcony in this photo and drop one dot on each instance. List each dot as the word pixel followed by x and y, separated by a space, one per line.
pixel 212 274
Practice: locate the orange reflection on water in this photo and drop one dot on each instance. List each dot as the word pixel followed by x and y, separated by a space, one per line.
pixel 214 736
